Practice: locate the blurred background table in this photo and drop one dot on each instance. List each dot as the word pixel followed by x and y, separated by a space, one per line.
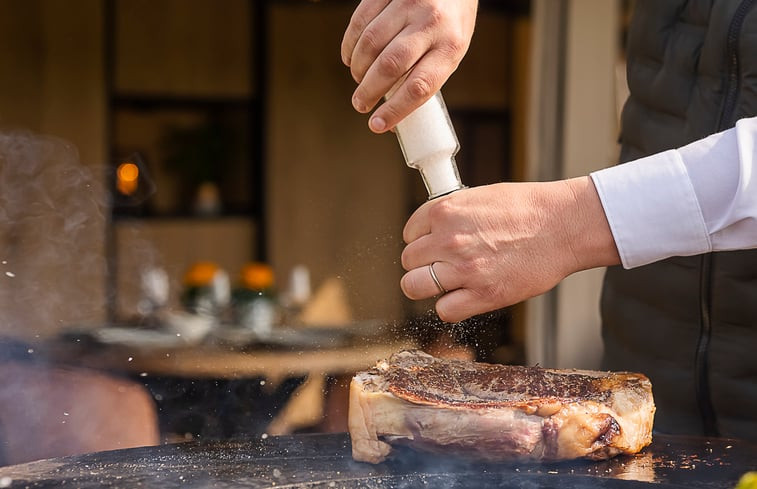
pixel 219 391
pixel 225 362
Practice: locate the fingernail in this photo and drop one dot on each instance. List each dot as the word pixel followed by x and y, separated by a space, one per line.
pixel 377 124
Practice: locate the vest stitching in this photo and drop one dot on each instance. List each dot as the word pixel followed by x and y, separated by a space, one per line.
pixel 694 86
pixel 651 63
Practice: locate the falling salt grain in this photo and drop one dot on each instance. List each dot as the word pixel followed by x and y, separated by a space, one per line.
pixel 10 274
pixel 131 358
pixel 143 374
pixel 30 351
pixel 264 436
pixel 65 413
pixel 262 382
pixel 5 481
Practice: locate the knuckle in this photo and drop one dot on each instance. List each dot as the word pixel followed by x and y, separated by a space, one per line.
pixel 454 41
pixel 369 41
pixel 421 86
pixel 459 43
pixel 466 268
pixel 441 211
pixel 435 17
pixel 453 48
pixel 359 20
pixel 415 5
pixel 490 292
pixel 456 244
pixel 459 242
pixel 493 294
pixel 391 64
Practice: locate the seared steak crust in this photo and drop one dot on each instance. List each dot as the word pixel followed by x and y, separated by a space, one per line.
pixel 497 411
pixel 429 380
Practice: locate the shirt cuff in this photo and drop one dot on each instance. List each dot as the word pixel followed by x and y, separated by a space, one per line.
pixel 652 209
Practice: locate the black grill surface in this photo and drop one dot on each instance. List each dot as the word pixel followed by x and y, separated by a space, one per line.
pixel 324 461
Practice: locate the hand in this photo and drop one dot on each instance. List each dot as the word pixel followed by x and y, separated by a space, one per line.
pixel 387 39
pixel 497 245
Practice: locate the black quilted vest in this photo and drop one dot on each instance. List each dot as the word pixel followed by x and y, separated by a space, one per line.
pixel 689 323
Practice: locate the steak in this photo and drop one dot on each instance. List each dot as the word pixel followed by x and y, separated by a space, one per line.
pixel 497 412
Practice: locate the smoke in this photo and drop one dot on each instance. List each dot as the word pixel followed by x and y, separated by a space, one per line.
pixel 52 236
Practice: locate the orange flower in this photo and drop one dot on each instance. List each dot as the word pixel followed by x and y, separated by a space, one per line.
pixel 256 276
pixel 200 274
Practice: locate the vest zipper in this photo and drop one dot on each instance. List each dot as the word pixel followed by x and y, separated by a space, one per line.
pixel 701 360
pixel 732 55
pixel 725 121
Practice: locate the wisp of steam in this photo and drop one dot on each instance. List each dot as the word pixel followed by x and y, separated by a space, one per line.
pixel 52 235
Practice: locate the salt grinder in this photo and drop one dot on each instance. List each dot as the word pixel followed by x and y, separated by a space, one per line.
pixel 429 144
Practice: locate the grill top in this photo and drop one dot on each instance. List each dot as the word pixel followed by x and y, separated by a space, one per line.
pixel 324 461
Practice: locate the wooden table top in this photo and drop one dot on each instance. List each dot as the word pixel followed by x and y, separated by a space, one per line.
pixel 224 362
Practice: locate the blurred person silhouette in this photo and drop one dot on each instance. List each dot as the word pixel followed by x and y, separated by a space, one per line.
pixel 54 411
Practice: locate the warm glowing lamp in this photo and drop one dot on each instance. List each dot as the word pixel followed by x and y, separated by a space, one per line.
pixel 127 178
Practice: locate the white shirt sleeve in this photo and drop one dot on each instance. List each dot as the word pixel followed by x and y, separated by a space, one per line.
pixel 695 199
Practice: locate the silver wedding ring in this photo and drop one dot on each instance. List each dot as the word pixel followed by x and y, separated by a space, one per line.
pixel 442 290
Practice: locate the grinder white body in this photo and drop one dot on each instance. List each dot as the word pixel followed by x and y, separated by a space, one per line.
pixel 429 144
